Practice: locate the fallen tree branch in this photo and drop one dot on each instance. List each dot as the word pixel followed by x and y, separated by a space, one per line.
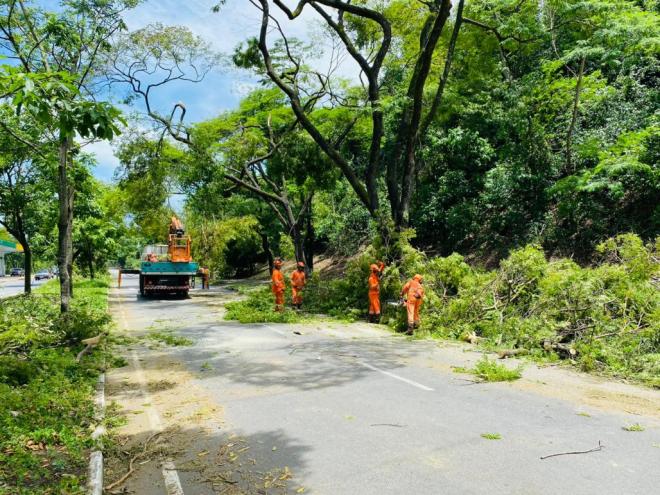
pixel 472 338
pixel 90 344
pixel 131 469
pixel 554 346
pixel 595 449
pixel 511 352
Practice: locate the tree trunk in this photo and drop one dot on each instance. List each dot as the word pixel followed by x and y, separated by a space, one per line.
pixel 437 100
pixel 309 244
pixel 408 179
pixel 571 128
pixel 64 240
pixel 298 243
pixel 265 245
pixel 70 268
pixel 90 263
pixel 27 267
pixel 21 237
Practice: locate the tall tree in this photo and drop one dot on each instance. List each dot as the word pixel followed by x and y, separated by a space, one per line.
pixel 155 56
pixel 257 151
pixel 26 192
pixel 366 33
pixel 58 55
pixel 101 234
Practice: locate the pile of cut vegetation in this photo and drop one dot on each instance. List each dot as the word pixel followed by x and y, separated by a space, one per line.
pixel 46 405
pixel 604 317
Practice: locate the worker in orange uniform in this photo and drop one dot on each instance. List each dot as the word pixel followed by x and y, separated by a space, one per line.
pixel 206 273
pixel 278 285
pixel 298 282
pixel 413 293
pixel 374 291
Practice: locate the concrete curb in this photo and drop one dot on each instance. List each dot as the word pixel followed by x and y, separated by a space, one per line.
pixel 95 483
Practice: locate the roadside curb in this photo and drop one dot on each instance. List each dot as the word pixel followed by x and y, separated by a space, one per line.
pixel 95 484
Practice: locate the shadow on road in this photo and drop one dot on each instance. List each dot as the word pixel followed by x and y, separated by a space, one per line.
pixel 309 365
pixel 264 462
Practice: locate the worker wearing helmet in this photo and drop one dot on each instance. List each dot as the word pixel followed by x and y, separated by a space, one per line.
pixel 374 291
pixel 413 292
pixel 277 280
pixel 205 277
pixel 298 282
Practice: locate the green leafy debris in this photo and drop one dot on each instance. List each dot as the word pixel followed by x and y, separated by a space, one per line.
pixel 46 397
pixel 492 371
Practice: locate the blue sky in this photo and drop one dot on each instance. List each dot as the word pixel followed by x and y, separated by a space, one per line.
pixel 223 88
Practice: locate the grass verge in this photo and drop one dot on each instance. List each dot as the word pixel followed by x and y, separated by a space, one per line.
pixel 168 338
pixel 46 397
pixel 491 371
pixel 258 307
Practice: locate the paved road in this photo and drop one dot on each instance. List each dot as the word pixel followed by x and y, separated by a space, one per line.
pixel 356 410
pixel 11 286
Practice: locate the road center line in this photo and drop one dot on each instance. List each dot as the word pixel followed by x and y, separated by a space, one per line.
pixel 170 474
pixel 397 377
pixel 276 330
pixel 371 367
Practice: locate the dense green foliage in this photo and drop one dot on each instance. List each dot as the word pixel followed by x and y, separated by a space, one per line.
pixel 549 134
pixel 604 317
pixel 54 63
pixel 46 404
pixel 539 125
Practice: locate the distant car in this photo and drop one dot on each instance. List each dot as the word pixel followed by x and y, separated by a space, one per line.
pixel 16 272
pixel 42 275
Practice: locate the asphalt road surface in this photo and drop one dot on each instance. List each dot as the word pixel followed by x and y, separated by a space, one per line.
pixel 353 409
pixel 11 286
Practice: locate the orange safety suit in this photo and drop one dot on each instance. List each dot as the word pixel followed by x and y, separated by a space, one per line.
pixel 374 288
pixel 298 282
pixel 413 292
pixel 278 288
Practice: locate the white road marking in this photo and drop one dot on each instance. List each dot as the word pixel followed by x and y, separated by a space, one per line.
pixel 154 418
pixel 397 377
pixel 171 477
pixel 371 367
pixel 170 474
pixel 276 330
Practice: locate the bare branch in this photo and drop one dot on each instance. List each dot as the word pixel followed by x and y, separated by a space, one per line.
pixel 437 100
pixel 300 113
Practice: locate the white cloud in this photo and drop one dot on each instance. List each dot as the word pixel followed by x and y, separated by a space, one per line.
pixel 105 156
pixel 237 21
pixel 223 89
